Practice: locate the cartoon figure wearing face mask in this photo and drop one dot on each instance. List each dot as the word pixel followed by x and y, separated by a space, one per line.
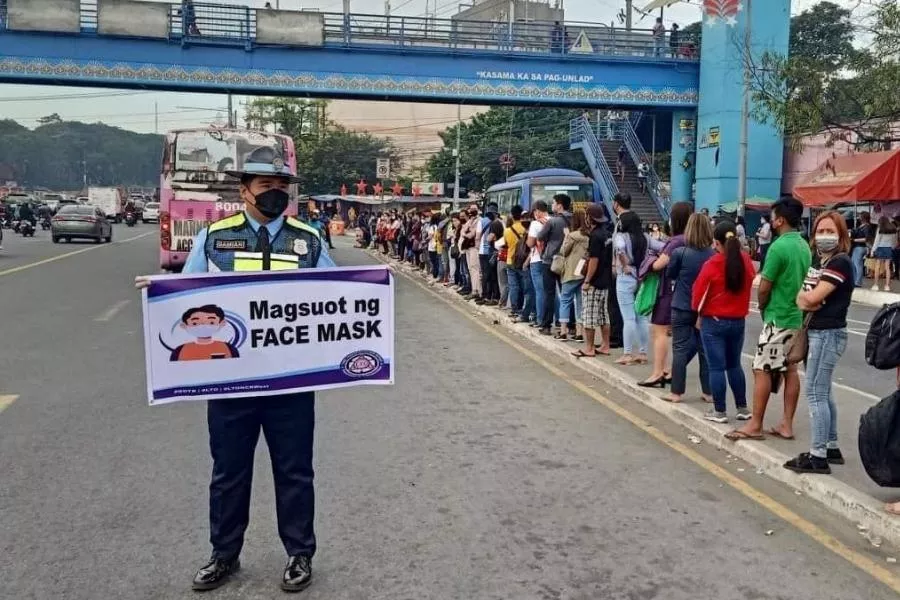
pixel 204 323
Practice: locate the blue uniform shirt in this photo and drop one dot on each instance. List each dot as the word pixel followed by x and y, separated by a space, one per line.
pixel 196 261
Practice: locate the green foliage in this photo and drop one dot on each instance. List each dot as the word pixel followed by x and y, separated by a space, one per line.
pixel 328 155
pixel 537 138
pixel 825 84
pixel 51 155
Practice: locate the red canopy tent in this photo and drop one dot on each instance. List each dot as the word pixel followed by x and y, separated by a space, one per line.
pixel 862 177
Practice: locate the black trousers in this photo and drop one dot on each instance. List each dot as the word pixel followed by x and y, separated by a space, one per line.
pixel 616 324
pixel 287 422
pixel 490 285
pixel 551 280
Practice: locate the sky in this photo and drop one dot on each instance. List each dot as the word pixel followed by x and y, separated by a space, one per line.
pixel 149 112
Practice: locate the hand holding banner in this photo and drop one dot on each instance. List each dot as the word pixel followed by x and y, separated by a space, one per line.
pixel 234 335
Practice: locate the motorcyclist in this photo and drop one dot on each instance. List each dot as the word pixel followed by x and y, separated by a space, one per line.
pixel 45 212
pixel 26 213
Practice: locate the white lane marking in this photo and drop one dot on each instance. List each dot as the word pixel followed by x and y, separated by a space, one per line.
pixel 109 313
pixel 6 400
pixel 840 386
pixel 73 253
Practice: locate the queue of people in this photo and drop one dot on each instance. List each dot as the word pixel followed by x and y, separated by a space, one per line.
pixel 561 271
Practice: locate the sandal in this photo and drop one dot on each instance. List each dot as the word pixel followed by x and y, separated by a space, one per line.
pixel 668 398
pixel 582 354
pixel 626 360
pixel 737 435
pixel 891 510
pixel 775 433
pixel 560 336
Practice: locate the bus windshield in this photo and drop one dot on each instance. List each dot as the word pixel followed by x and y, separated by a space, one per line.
pixel 217 151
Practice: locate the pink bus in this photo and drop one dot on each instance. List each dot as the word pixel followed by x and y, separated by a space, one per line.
pixel 194 190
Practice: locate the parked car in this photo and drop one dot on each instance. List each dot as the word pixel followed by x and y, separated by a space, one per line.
pixel 80 222
pixel 151 212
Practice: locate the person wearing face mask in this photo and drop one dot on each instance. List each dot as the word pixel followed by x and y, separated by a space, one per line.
pixel 825 298
pixel 259 238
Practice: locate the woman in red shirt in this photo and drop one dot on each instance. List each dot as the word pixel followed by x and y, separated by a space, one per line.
pixel 721 296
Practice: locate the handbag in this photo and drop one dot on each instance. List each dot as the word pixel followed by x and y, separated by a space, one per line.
pixel 799 346
pixel 558 264
pixel 645 299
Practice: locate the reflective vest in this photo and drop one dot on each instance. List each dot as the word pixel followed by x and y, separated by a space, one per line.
pixel 231 245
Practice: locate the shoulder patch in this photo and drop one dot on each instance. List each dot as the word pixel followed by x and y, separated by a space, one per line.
pixel 230 245
pixel 228 222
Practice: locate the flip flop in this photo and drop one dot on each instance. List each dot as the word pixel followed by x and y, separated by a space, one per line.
pixel 582 354
pixel 737 435
pixel 671 400
pixel 775 433
pixel 889 509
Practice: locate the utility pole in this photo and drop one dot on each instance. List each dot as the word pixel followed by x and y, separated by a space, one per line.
pixel 745 114
pixel 156 116
pixel 653 143
pixel 347 21
pixel 230 113
pixel 628 15
pixel 456 154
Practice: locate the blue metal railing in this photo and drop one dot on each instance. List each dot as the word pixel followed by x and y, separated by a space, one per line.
pixel 237 25
pixel 637 152
pixel 582 136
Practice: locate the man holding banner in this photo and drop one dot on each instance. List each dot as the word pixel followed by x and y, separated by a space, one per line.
pixel 260 238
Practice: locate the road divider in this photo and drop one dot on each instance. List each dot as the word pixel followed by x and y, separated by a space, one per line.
pixel 45 261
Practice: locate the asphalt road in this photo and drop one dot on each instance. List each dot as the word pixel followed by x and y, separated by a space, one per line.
pixel 479 475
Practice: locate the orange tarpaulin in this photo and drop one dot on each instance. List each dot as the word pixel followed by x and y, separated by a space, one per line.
pixel 862 177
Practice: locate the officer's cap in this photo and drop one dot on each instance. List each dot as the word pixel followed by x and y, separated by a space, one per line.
pixel 264 160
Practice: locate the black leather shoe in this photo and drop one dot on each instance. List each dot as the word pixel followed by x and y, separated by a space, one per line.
pixel 215 573
pixel 297 574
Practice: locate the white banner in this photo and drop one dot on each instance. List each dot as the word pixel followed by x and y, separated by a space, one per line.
pixel 233 335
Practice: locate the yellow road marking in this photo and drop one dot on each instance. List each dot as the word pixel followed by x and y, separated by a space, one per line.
pixel 68 254
pixel 862 562
pixel 6 400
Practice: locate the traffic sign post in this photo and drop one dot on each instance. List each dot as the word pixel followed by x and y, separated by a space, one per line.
pixel 383 168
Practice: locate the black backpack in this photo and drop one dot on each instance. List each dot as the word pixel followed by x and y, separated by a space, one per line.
pixel 883 339
pixel 520 256
pixel 879 441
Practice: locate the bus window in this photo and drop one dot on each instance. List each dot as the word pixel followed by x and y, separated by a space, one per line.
pixel 579 193
pixel 505 199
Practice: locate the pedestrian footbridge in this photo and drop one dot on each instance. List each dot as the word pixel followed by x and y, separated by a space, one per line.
pixel 208 47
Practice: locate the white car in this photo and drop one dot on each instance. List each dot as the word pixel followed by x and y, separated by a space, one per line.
pixel 151 212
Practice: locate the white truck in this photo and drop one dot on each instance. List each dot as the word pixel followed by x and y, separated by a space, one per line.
pixel 108 199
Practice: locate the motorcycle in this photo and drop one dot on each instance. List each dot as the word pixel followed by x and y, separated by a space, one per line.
pixel 26 228
pixel 45 223
pixel 15 225
pixel 130 219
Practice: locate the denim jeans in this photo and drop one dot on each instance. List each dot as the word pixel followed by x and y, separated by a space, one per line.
pixel 503 281
pixel 685 345
pixel 529 296
pixel 551 299
pixel 723 340
pixel 537 282
pixel 515 281
pixel 465 276
pixel 825 349
pixel 858 258
pixel 435 259
pixel 571 294
pixel 635 328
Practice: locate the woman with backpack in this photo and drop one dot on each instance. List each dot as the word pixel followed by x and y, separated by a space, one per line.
pixel 825 298
pixel 721 296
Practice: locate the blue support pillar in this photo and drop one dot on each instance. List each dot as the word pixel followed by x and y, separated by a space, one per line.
pixel 684 143
pixel 719 112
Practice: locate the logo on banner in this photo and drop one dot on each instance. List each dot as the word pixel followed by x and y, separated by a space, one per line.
pixel 722 10
pixel 205 333
pixel 361 363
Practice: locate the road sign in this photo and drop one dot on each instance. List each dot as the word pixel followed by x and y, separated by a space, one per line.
pixel 582 44
pixel 507 161
pixel 383 168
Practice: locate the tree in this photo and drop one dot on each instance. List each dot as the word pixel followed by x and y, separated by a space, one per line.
pixel 825 84
pixel 339 157
pixel 536 138
pixel 49 119
pixel 299 118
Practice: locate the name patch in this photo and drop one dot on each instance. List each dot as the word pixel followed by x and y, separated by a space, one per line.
pixel 231 245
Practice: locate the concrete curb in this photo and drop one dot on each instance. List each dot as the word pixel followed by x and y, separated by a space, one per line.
pixel 839 497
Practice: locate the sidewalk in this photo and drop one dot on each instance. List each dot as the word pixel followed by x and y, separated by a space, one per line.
pixel 848 491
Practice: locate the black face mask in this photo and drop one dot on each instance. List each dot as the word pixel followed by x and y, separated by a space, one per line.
pixel 272 203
